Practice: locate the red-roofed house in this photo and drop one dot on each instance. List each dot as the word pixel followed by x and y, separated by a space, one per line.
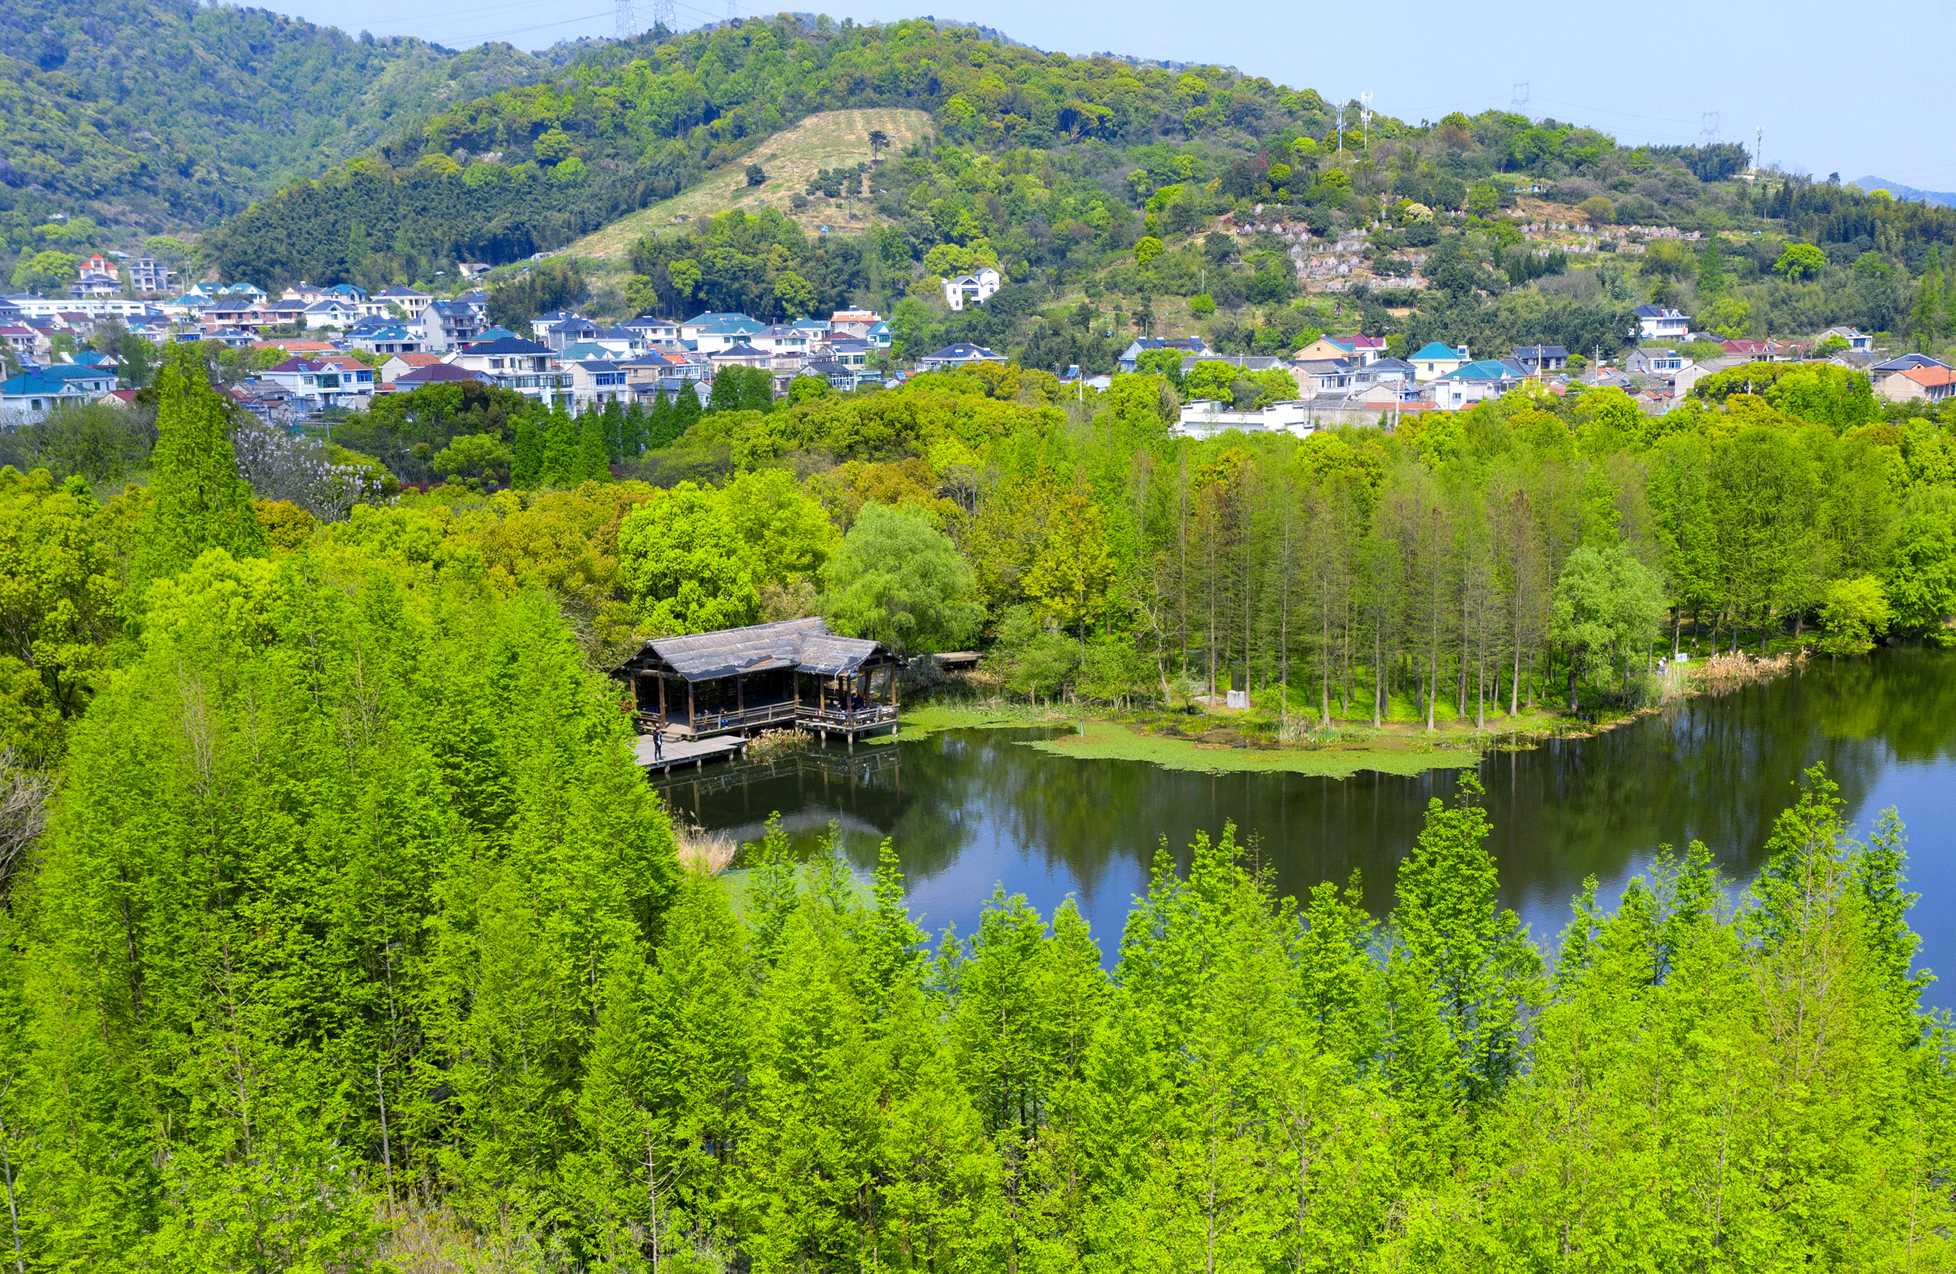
pixel 399 365
pixel 1927 384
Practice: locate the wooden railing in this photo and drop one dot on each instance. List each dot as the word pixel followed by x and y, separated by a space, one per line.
pixel 770 714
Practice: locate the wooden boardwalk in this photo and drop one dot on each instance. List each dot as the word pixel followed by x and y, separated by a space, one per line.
pixel 684 752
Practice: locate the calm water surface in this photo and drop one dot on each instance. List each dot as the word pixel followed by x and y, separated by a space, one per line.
pixel 972 809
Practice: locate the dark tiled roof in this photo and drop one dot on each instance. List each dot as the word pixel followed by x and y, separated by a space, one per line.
pixel 804 644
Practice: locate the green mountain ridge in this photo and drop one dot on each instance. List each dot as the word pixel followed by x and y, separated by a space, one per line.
pixel 169 115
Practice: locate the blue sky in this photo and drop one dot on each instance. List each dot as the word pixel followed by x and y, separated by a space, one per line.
pixel 1833 93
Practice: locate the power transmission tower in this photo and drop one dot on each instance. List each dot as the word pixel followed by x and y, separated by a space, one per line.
pixel 627 20
pixel 1518 99
pixel 733 10
pixel 1365 120
pixel 1708 134
pixel 1759 150
pixel 664 16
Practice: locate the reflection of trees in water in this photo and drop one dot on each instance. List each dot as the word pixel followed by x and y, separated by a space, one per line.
pixel 1713 769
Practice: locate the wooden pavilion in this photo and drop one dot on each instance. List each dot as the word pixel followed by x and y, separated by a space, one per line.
pixel 738 680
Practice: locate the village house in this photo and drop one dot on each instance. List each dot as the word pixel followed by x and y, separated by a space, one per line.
pixel 739 355
pixel 975 288
pixel 150 277
pixel 1475 382
pixel 1654 362
pixel 1206 418
pixel 405 302
pixel 333 381
pixel 1881 372
pixel 1919 385
pixel 1381 371
pixel 1356 347
pixel 961 354
pixel 448 325
pixel 1436 359
pixel 783 341
pixel 400 365
pixel 559 330
pixel 1857 341
pixel 437 374
pixel 512 363
pixel 32 394
pixel 717 330
pixel 1131 356
pixel 1537 359
pixel 30 345
pixel 651 330
pixel 386 338
pixel 1317 377
pixel 1661 323
pixel 332 312
pixel 856 323
pixel 596 384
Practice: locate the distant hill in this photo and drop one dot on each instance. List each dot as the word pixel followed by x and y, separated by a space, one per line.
pixel 171 115
pixel 1940 198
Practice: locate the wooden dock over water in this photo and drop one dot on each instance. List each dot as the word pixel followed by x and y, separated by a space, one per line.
pixel 679 753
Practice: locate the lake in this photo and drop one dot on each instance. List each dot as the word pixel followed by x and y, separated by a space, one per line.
pixel 972 809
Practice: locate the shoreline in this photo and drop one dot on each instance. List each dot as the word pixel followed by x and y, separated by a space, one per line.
pixel 1397 748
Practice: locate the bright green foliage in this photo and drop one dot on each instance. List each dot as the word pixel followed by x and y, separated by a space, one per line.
pixel 59 589
pixel 324 915
pixel 898 579
pixel 353 906
pixel 1921 582
pixel 1853 612
pixel 1605 609
pixel 1467 956
pixel 483 460
pixel 1800 261
pixel 682 557
pixel 741 389
pixel 197 499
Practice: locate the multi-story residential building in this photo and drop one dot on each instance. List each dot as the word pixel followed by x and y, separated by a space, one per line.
pixel 513 363
pixel 333 381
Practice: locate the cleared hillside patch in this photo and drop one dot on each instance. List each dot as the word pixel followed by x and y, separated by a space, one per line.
pixel 791 159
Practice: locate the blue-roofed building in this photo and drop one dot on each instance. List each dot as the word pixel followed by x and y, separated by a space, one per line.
pixel 1436 358
pixel 596 383
pixel 387 338
pixel 1475 382
pixel 716 330
pixel 31 395
pixel 962 354
pixel 1131 356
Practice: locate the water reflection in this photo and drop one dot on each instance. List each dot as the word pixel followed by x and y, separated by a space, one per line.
pixel 971 809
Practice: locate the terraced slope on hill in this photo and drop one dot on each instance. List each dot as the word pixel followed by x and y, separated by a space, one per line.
pixel 790 159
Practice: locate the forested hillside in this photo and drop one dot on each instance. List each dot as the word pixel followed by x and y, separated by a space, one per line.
pixel 1117 198
pixel 167 115
pixel 341 931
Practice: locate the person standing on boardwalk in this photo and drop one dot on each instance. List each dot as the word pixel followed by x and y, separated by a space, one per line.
pixel 659 741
